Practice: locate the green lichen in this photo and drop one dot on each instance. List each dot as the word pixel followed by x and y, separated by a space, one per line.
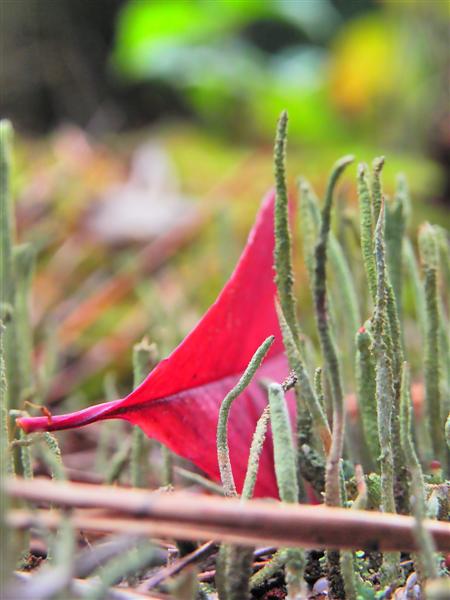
pixel 366 391
pixel 223 455
pixel 284 274
pixel 385 392
pixel 286 474
pixel 366 226
pixel 433 400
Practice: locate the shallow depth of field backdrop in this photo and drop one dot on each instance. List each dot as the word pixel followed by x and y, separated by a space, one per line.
pixel 133 117
pixel 143 146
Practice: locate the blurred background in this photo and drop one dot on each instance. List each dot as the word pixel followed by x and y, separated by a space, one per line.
pixel 143 148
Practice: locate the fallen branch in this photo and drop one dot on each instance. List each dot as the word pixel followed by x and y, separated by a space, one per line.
pixel 188 516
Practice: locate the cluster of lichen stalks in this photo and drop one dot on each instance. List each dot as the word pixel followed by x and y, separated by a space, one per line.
pixel 371 359
pixel 21 385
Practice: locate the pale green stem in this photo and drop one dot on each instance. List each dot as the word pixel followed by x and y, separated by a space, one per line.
pixel 7 287
pixel 275 564
pixel 426 557
pixel 255 452
pixel 419 296
pixel 433 401
pixel 332 488
pixel 286 474
pixel 318 387
pixel 447 431
pixel 366 225
pixel 23 259
pixel 366 391
pixel 199 480
pixel 223 455
pixel 395 229
pixel 51 455
pixel 6 469
pixel 377 192
pixel 347 558
pixel 7 462
pixel 303 381
pixel 118 462
pixel 284 455
pixel 284 274
pixel 344 292
pixel 25 457
pixel 385 393
pixel 333 482
pixel 237 561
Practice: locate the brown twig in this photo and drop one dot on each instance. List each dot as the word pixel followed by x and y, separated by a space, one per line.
pixel 188 516
pixel 198 554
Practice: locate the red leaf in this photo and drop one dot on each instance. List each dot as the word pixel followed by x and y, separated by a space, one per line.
pixel 179 401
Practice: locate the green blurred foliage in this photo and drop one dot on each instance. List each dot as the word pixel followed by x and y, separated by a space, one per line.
pixel 374 76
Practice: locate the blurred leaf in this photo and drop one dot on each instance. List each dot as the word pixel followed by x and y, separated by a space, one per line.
pixel 147 29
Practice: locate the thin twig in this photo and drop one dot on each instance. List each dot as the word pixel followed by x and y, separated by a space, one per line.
pixel 256 522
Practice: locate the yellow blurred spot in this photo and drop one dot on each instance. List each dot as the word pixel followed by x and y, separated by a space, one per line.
pixel 361 67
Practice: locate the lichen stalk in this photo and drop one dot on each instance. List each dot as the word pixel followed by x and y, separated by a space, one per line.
pixel 425 560
pixel 238 561
pixel 332 487
pixel 347 558
pixel 275 564
pixel 23 260
pixel 309 225
pixel 25 457
pixel 433 400
pixel 395 349
pixel 376 187
pixel 366 230
pixel 412 269
pixel 6 459
pixel 7 287
pixel 366 391
pixel 318 387
pixel 284 273
pixel 385 391
pixel 6 469
pixel 384 383
pixel 223 455
pixel 286 474
pixel 345 288
pixel 333 491
pixel 303 381
pixel 119 461
pixel 51 455
pixel 283 446
pixel 255 452
pixel 6 219
pixel 344 292
pixel 395 229
pixel 447 431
